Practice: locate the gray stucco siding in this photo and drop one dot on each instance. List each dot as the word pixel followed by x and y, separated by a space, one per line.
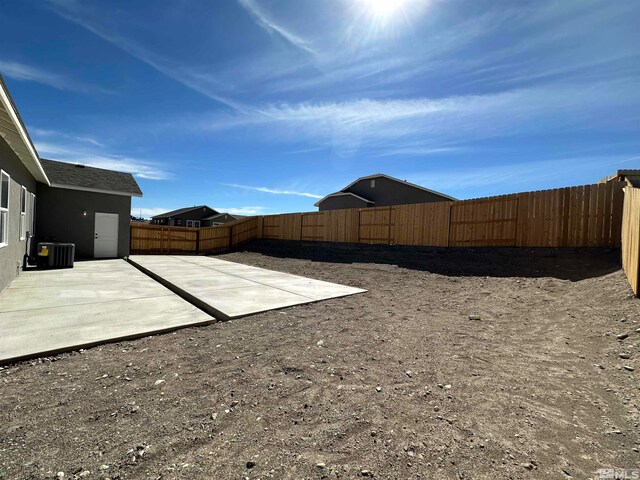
pixel 59 218
pixel 11 255
pixel 387 192
pixel 342 201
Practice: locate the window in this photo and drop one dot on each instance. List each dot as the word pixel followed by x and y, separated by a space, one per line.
pixel 31 221
pixel 4 208
pixel 179 222
pixel 373 184
pixel 23 213
pixel 193 223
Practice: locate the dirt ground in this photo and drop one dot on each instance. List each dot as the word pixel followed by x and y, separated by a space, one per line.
pixel 400 382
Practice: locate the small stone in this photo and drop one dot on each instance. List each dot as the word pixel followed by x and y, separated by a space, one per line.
pixel 365 473
pixel 60 475
pixel 378 389
pixel 321 465
pixel 626 356
pixel 320 343
pixel 251 464
pixel 84 473
pixel 436 408
pixel 447 387
pixel 528 466
pixel 628 368
pixel 159 382
pixel 104 467
pixel 408 373
pixel 214 415
pixel 475 317
pixel 622 336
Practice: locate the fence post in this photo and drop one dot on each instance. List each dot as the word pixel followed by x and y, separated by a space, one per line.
pixel 198 241
pixel 230 237
pixel 449 234
pixel 389 226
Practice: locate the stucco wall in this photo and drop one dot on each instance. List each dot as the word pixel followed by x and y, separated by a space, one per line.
pixel 11 255
pixel 343 201
pixel 387 192
pixel 59 217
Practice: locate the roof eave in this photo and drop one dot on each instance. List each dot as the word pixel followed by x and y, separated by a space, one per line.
pixel 32 161
pixel 95 190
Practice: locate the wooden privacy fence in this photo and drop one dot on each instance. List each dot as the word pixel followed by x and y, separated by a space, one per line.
pixel 586 216
pixel 631 237
pixel 158 239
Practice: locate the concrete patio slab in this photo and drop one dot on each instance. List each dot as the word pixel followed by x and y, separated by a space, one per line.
pixel 231 290
pixel 43 312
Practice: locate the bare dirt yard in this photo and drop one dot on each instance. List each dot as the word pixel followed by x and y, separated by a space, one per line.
pixel 456 364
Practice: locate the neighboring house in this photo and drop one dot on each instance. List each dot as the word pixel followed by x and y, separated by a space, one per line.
pixel 220 219
pixel 88 206
pixel 630 177
pixel 380 190
pixel 185 217
pixel 73 204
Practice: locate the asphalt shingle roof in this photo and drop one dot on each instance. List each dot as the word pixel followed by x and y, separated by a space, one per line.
pixel 179 211
pixel 90 178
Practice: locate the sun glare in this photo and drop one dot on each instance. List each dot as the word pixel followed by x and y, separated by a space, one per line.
pixel 384 9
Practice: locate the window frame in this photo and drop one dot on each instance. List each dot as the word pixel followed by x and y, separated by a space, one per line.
pixel 23 213
pixel 5 210
pixel 194 223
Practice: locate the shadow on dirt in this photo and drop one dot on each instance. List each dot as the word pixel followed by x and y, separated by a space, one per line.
pixel 572 264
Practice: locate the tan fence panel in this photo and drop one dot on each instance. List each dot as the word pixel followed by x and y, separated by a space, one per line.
pixel 243 231
pixel 152 239
pixel 342 225
pixel 214 239
pixel 271 226
pixel 291 226
pixel 421 224
pixel 631 237
pixel 313 227
pixel 484 222
pixel 586 216
pixel 375 225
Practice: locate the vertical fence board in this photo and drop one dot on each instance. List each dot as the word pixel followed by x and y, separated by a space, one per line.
pixel 631 237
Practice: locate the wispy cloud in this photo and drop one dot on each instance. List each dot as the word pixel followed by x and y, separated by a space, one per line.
pixel 255 210
pixel 85 156
pixel 270 25
pixel 148 212
pixel 274 191
pixel 28 73
pixel 426 125
pixel 47 133
pixel 87 18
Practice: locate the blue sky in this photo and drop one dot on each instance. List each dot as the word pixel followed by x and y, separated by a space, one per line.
pixel 263 106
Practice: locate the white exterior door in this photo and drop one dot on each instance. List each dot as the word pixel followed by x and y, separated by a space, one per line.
pixel 105 244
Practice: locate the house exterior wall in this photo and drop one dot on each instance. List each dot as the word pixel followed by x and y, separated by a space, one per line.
pixel 180 220
pixel 387 192
pixel 12 254
pixel 59 217
pixel 343 201
pixel 219 220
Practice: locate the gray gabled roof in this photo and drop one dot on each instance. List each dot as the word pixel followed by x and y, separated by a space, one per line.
pixel 180 211
pixel 342 194
pixel 233 215
pixel 90 179
pixel 403 182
